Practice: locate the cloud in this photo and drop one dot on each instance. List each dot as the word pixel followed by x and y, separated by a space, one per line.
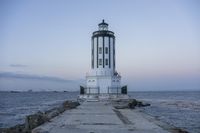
pixel 18 65
pixel 27 76
pixel 24 82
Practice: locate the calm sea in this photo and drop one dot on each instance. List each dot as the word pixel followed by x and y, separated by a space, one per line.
pixel 15 106
pixel 181 109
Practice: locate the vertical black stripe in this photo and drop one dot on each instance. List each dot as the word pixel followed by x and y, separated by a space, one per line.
pixel 97 51
pixel 103 51
pixel 113 53
pixel 92 53
pixel 109 52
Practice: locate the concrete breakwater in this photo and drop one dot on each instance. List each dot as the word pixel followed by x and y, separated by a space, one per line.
pixel 111 116
pixel 39 118
pixel 121 115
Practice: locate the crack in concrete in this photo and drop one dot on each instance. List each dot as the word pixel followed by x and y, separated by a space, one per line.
pixel 98 124
pixel 123 118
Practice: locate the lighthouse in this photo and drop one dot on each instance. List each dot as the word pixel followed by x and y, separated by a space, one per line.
pixel 103 78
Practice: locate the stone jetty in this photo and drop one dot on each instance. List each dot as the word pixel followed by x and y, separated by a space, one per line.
pixel 105 117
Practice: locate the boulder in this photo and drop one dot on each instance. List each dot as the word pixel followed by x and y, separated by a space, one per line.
pixel 132 103
pixel 128 103
pixel 121 106
pixel 35 120
pixel 15 129
pixel 70 104
pixel 39 130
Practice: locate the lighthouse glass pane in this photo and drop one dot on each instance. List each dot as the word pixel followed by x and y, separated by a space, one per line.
pixel 103 27
pixel 106 61
pixel 100 61
pixel 106 41
pixel 106 50
pixel 100 50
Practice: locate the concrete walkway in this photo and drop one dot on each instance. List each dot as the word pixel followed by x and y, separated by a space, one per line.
pixel 99 117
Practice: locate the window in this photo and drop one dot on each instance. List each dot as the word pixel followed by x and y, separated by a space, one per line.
pixel 100 50
pixel 106 50
pixel 106 61
pixel 100 61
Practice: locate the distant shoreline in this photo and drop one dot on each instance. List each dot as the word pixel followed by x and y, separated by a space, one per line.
pixel 14 91
pixel 78 91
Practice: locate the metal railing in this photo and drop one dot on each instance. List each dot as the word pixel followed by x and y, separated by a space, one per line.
pixel 110 90
pixel 92 90
pixel 114 90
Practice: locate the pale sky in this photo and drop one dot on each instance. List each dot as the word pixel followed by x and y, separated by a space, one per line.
pixel 157 41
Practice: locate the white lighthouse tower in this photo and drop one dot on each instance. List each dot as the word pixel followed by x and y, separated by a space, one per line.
pixel 103 79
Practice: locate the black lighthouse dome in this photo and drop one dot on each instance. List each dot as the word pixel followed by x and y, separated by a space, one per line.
pixel 103 25
pixel 103 30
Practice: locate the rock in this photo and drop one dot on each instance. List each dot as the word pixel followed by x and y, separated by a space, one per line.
pixel 39 118
pixel 35 120
pixel 39 130
pixel 146 104
pixel 179 130
pixel 61 109
pixel 70 104
pixel 128 103
pixel 52 114
pixel 121 106
pixel 132 103
pixel 141 104
pixel 16 129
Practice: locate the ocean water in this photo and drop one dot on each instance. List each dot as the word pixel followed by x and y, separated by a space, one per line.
pixel 180 109
pixel 15 106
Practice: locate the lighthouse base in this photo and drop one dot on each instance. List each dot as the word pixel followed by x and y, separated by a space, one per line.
pixel 102 97
pixel 103 84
